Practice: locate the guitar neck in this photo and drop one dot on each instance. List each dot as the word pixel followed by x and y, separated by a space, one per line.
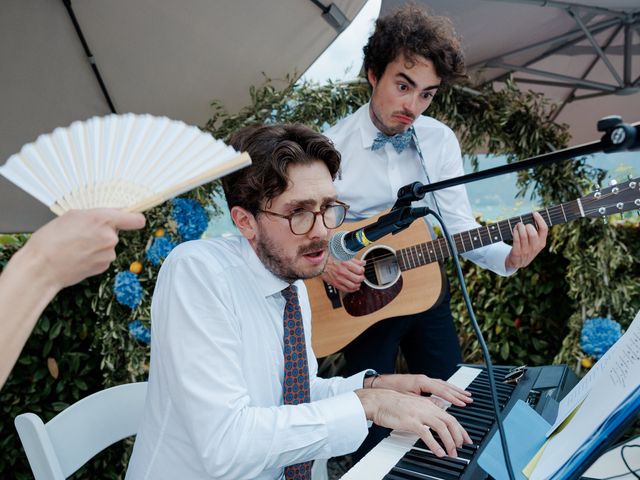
pixel 438 249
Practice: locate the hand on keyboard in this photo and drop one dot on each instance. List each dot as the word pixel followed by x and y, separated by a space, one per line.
pixel 421 384
pixel 413 413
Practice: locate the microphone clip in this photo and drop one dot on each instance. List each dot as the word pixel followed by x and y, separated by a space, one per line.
pixel 402 217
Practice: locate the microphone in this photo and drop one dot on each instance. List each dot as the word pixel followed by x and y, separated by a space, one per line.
pixel 344 245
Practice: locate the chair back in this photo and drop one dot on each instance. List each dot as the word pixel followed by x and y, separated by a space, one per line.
pixel 57 449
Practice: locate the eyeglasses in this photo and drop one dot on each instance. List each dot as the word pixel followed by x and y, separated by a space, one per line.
pixel 515 374
pixel 301 222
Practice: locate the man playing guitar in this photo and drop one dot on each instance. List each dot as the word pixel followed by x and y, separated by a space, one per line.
pixel 387 144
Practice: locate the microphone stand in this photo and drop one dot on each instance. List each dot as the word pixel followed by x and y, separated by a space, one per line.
pixel 618 136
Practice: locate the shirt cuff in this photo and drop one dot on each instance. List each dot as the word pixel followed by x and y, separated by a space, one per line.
pixel 355 382
pixel 347 427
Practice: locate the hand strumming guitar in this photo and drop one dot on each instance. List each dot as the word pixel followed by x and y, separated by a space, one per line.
pixel 345 276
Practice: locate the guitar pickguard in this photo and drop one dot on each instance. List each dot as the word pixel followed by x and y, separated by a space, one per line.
pixel 368 300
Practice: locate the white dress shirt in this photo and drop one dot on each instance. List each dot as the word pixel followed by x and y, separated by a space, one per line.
pixel 214 406
pixel 370 180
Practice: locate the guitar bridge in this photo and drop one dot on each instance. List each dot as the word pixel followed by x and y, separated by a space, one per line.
pixel 333 295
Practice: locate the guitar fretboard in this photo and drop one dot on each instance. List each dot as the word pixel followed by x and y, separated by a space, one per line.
pixel 436 250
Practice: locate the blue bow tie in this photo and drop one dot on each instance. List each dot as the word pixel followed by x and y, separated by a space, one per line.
pixel 399 141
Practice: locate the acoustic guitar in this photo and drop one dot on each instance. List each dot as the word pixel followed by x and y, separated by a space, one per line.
pixel 403 275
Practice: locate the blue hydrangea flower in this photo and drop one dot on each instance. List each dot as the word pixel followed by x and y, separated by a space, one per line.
pixel 140 332
pixel 598 335
pixel 159 250
pixel 191 217
pixel 127 289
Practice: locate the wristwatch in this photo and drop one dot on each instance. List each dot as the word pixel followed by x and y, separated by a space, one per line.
pixel 369 374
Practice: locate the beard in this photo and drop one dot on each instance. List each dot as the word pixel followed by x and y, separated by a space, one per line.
pixel 376 119
pixel 284 267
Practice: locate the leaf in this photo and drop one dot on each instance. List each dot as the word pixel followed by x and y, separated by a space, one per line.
pixel 52 365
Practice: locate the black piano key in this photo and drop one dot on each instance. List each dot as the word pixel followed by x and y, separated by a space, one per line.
pixel 396 474
pixel 466 451
pixel 427 469
pixel 402 474
pixel 502 399
pixel 477 413
pixel 484 386
pixel 474 431
pixel 482 403
pixel 453 464
pixel 473 419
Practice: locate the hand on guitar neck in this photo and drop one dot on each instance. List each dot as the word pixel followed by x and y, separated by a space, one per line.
pixel 528 241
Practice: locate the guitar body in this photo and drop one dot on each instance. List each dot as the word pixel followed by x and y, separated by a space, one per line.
pixel 339 318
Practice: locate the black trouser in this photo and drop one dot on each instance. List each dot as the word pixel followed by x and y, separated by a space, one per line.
pixel 429 343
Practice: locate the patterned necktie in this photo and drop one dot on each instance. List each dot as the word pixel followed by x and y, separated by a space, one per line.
pixel 296 369
pixel 399 141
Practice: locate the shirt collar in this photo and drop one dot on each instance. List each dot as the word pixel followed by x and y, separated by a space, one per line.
pixel 368 131
pixel 265 281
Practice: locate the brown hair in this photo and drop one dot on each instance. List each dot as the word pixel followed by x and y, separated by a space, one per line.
pixel 411 31
pixel 272 149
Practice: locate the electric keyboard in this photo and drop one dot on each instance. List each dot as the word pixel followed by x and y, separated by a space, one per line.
pixel 403 456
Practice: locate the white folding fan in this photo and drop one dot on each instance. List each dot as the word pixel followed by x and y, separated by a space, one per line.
pixel 122 161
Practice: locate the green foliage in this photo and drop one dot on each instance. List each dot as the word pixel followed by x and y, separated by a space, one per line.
pixel 522 317
pixel 531 317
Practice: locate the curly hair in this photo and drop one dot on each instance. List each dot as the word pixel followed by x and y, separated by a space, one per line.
pixel 411 31
pixel 272 149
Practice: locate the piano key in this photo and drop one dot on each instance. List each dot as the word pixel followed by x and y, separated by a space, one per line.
pixel 387 453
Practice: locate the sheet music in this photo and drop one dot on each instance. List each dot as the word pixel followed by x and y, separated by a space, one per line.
pixel 582 389
pixel 609 388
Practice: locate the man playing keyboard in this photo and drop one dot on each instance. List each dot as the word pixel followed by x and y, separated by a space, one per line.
pixel 233 391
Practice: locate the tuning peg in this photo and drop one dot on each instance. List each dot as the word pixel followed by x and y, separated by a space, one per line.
pixel 633 184
pixel 613 181
pixel 605 220
pixel 596 187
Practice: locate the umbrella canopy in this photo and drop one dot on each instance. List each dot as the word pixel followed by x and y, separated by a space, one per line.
pixel 64 61
pixel 583 55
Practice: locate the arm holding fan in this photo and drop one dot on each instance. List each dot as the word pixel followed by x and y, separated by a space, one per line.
pixel 79 244
pixel 93 174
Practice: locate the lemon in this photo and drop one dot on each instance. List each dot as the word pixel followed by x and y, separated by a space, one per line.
pixel 586 362
pixel 135 267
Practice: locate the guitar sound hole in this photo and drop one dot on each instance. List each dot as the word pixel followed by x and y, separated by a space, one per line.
pixel 381 269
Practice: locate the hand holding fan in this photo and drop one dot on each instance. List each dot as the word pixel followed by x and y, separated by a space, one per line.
pixel 125 161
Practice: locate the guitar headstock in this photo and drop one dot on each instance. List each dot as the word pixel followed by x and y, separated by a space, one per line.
pixel 617 198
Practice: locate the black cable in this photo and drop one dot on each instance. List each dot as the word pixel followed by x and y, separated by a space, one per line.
pixel 483 345
pixel 90 57
pixel 624 460
pixel 633 472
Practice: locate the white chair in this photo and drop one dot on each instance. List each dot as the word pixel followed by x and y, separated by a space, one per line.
pixel 59 448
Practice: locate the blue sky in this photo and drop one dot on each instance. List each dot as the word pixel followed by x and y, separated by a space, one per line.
pixel 343 59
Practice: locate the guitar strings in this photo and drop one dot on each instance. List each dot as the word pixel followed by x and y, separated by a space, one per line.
pixel 554 213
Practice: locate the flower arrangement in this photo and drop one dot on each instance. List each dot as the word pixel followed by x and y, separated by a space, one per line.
pixel 127 289
pixel 598 335
pixel 191 218
pixel 186 219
